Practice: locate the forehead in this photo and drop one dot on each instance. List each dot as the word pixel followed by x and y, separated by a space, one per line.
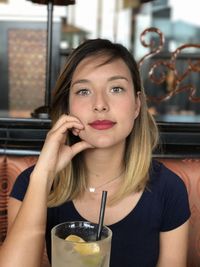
pixel 100 63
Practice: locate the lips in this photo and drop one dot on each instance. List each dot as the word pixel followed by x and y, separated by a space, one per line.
pixel 102 124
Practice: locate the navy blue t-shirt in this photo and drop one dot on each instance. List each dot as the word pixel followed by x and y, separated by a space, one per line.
pixel 163 206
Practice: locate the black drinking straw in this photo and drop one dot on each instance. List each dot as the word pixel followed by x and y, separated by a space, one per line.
pixel 101 215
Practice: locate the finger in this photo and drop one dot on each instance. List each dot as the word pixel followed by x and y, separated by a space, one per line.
pixel 63 119
pixel 69 126
pixel 80 146
pixel 60 132
pixel 75 131
pixel 67 153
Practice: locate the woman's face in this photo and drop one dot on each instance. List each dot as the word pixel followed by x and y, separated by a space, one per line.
pixel 102 98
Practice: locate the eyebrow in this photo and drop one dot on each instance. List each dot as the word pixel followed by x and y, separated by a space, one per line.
pixel 117 77
pixel 113 78
pixel 80 81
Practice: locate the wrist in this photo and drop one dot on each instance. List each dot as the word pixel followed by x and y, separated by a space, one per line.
pixel 41 180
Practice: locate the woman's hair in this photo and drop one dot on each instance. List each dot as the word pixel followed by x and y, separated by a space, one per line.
pixel 71 181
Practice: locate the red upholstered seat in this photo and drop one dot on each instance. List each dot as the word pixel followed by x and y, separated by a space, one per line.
pixel 3 198
pixel 189 171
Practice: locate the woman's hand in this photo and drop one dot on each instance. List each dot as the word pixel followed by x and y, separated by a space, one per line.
pixel 25 242
pixel 55 154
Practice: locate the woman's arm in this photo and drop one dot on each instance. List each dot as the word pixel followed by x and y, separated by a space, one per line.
pixel 25 240
pixel 173 247
pixel 23 246
pixel 14 206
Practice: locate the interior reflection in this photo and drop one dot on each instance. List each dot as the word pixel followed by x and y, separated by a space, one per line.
pixel 163 36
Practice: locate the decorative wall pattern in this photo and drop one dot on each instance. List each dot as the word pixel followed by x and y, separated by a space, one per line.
pixel 165 70
pixel 27 66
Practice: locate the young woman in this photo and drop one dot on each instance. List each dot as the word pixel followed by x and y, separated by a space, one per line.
pixel 102 138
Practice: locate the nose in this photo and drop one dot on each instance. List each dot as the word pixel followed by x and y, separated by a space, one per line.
pixel 100 103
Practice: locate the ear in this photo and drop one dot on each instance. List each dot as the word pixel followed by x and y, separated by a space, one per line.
pixel 137 105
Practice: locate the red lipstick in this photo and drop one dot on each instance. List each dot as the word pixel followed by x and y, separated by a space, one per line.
pixel 102 124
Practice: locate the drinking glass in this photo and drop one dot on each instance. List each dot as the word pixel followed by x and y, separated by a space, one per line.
pixel 81 248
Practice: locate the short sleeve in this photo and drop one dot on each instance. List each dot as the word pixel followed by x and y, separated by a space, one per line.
pixel 20 186
pixel 176 210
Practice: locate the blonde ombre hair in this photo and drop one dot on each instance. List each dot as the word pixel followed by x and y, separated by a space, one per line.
pixel 71 181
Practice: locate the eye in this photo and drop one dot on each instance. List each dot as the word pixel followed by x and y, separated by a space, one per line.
pixel 117 89
pixel 83 92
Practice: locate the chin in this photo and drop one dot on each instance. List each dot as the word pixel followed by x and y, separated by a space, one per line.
pixel 103 145
pixel 102 142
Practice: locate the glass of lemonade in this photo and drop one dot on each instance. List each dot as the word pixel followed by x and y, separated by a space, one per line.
pixel 74 244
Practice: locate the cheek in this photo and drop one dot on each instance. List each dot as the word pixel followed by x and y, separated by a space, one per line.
pixel 77 111
pixel 128 110
pixel 74 108
pixel 83 135
pixel 128 126
pixel 127 119
pixel 89 136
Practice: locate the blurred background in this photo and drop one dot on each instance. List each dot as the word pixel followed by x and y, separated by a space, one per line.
pixel 32 54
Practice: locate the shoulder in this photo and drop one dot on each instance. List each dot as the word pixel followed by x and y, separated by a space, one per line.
pixel 172 194
pixel 24 176
pixel 165 178
pixel 21 183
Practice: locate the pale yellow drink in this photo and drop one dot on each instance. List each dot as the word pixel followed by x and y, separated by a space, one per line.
pixel 74 245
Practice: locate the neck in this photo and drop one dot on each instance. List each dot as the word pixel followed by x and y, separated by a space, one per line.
pixel 105 185
pixel 103 165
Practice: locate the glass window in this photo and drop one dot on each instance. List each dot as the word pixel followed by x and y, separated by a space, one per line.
pixel 170 73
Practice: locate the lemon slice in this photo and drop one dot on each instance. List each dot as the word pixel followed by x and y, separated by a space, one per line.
pixel 82 246
pixel 74 238
pixel 87 248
